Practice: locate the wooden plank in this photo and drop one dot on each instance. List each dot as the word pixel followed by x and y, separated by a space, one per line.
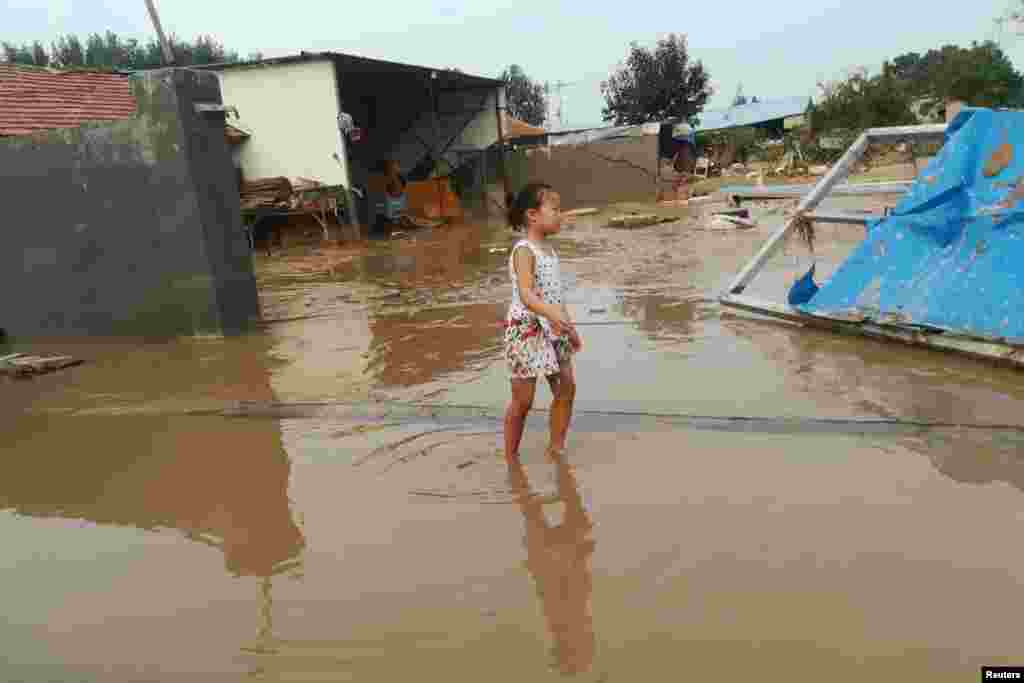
pixel 637 220
pixel 1002 354
pixel 23 364
pixel 808 203
pixel 856 190
pixel 844 218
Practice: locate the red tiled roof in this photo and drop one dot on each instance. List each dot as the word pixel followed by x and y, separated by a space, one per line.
pixel 34 99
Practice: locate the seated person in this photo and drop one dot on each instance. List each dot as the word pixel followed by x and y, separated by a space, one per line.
pixel 388 186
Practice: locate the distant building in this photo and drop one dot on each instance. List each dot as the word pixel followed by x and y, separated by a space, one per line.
pixel 776 116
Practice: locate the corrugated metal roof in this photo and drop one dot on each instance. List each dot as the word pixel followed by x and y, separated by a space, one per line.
pixel 752 114
pixel 355 63
pixel 33 98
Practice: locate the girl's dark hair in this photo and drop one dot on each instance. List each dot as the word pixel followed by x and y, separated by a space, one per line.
pixel 530 197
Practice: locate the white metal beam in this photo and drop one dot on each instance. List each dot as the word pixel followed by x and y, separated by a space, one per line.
pixel 811 200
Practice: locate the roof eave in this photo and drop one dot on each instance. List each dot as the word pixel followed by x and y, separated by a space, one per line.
pixel 478 81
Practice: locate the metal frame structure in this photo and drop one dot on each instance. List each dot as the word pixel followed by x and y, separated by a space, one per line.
pixel 917 335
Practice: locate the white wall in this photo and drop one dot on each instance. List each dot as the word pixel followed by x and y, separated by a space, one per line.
pixel 291 110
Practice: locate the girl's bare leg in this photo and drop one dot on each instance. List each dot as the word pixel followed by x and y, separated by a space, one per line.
pixel 563 388
pixel 515 415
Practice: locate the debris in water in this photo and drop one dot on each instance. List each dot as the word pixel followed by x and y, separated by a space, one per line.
pixel 498 250
pixel 803 289
pixel 581 212
pixel 721 222
pixel 24 365
pixel 634 220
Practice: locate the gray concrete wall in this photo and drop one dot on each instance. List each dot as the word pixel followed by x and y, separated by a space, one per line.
pixel 591 174
pixel 130 227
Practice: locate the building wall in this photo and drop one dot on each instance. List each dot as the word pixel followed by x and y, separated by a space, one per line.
pixel 591 174
pixel 130 227
pixel 291 110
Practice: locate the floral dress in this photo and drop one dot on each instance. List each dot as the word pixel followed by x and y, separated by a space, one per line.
pixel 531 348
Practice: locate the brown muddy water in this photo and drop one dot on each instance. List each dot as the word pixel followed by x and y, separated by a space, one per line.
pixel 271 507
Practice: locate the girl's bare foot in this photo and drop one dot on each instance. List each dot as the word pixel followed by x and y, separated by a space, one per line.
pixel 555 453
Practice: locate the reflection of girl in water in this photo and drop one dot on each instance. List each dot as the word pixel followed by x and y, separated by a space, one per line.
pixel 558 557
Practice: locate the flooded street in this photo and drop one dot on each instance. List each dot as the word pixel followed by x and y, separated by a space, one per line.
pixel 326 499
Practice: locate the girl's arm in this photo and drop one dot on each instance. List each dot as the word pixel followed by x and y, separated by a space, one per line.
pixel 522 261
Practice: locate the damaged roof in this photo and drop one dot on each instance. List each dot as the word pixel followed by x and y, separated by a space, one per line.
pixel 447 78
pixel 34 98
pixel 752 113
pixel 515 128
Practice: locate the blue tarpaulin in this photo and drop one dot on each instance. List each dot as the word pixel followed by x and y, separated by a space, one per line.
pixel 951 254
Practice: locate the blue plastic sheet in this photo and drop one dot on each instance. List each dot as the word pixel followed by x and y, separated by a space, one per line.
pixel 951 254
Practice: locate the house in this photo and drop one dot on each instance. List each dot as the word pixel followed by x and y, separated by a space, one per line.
pixel 35 99
pixel 333 117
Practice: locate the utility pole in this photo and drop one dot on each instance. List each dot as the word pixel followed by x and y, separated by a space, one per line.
pixel 557 86
pixel 164 45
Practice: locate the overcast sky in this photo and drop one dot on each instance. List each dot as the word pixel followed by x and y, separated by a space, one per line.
pixel 775 49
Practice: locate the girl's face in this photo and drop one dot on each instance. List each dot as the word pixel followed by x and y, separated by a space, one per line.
pixel 549 216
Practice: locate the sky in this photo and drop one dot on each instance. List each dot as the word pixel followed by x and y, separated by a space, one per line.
pixel 772 49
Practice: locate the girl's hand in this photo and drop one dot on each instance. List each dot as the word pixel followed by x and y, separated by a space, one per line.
pixel 559 323
pixel 574 340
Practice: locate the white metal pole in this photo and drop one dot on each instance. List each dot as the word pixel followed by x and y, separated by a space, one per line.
pixel 164 45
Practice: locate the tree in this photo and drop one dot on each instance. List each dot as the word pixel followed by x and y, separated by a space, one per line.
pixel 110 51
pixel 524 99
pixel 15 54
pixel 655 85
pixel 67 52
pixel 981 75
pixel 862 101
pixel 39 55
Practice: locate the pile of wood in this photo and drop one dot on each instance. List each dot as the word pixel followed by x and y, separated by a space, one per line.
pixel 25 365
pixel 266 193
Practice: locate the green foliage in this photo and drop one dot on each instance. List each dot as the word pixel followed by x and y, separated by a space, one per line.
pixel 17 55
pixel 862 102
pixel 655 85
pixel 524 99
pixel 109 51
pixel 733 144
pixel 981 75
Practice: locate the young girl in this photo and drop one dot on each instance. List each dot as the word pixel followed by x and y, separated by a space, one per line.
pixel 539 337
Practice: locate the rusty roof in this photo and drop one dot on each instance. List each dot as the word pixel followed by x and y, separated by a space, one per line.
pixel 34 99
pixel 514 128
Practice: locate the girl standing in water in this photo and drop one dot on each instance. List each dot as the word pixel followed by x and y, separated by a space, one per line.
pixel 540 338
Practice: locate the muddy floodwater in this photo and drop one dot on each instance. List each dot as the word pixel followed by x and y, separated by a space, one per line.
pixel 325 499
